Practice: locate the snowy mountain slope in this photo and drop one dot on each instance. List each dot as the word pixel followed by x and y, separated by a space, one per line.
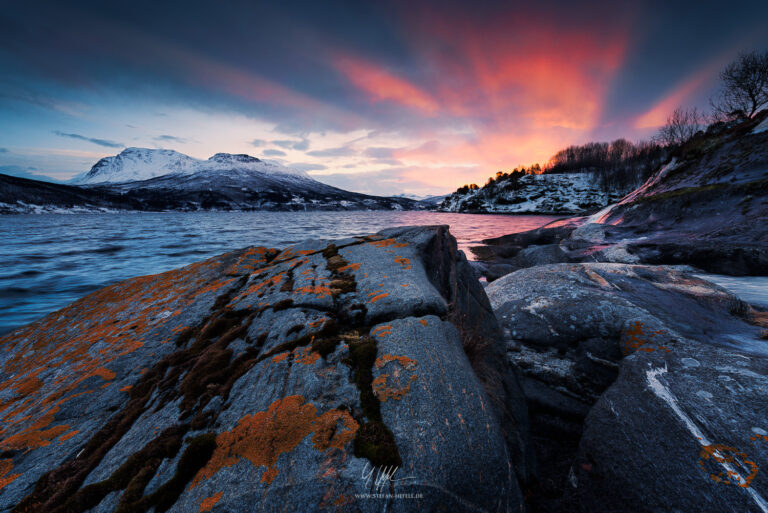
pixel 136 164
pixel 159 180
pixel 565 193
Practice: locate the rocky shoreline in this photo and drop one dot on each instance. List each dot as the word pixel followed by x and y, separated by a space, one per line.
pixel 279 378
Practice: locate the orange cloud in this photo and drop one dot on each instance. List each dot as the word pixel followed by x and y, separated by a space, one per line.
pixel 524 70
pixel 382 85
pixel 682 93
pixel 656 116
pixel 514 90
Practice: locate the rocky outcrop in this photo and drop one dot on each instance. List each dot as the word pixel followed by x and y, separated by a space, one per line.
pixel 707 207
pixel 645 386
pixel 270 380
pixel 547 193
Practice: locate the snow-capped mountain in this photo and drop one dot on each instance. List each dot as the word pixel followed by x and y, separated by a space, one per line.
pixel 136 164
pixel 146 179
pixel 564 193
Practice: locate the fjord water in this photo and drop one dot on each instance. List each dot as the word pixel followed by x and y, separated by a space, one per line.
pixel 50 260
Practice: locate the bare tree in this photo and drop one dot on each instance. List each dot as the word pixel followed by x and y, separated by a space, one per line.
pixel 681 125
pixel 744 89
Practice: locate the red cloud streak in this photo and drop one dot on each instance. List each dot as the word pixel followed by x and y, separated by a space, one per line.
pixel 519 86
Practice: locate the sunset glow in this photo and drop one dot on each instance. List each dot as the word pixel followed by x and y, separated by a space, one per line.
pixel 408 98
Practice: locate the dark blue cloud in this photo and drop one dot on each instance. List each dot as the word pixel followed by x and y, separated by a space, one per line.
pixel 100 142
pixel 274 153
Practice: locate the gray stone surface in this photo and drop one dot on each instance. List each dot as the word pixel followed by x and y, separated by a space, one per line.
pixel 270 380
pixel 646 386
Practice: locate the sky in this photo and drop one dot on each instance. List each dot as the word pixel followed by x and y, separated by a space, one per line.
pixel 380 97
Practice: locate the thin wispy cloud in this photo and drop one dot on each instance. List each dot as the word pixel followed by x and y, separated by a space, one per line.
pixel 301 145
pixel 274 153
pixel 101 142
pixel 342 151
pixel 171 138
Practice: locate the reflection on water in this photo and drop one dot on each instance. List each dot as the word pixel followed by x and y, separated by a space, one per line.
pixel 51 260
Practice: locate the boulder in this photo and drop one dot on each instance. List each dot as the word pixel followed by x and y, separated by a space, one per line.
pixel 270 380
pixel 645 386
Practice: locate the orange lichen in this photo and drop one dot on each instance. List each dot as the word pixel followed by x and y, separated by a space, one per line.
pixel 251 259
pixel 635 339
pixel 257 287
pixel 423 322
pixel 381 331
pixel 349 267
pixel 405 263
pixel 383 243
pixel 290 254
pixel 306 356
pixel 317 323
pixel 281 357
pixel 377 297
pixel 724 454
pixel 29 385
pixel 399 389
pixel 66 436
pixel 404 361
pixel 317 290
pixel 208 503
pixel 5 467
pixel 79 342
pixel 104 373
pixel 126 388
pixel 262 437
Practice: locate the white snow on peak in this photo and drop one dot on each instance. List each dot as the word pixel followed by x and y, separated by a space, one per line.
pixel 135 164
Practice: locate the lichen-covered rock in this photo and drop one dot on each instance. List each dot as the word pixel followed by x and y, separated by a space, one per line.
pixel 646 388
pixel 270 380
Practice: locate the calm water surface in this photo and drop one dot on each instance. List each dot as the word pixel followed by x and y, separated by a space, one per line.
pixel 50 260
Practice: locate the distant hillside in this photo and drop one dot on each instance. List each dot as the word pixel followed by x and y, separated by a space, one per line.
pixel 520 192
pixel 577 180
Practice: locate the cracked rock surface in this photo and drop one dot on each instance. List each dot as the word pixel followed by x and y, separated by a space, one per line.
pixel 269 380
pixel 646 388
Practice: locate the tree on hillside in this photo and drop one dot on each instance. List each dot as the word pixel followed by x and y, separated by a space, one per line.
pixel 744 88
pixel 681 125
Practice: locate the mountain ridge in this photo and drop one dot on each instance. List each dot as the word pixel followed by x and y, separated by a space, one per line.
pixel 142 179
pixel 136 164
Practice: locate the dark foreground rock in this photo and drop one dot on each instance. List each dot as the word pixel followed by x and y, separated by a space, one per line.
pixel 646 388
pixel 266 380
pixel 707 207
